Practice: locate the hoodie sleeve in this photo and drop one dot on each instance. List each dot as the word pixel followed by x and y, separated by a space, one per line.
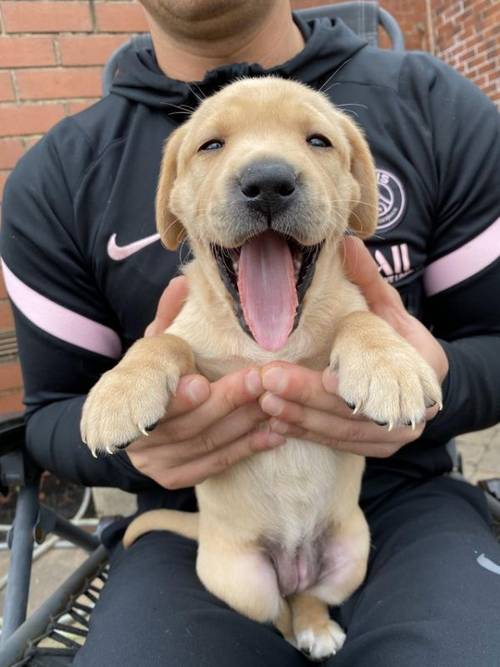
pixel 462 276
pixel 67 335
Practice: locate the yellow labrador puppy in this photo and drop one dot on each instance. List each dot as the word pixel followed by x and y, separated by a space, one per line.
pixel 264 179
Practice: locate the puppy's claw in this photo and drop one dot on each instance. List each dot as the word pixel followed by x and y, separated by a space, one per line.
pixel 390 426
pixel 110 450
pixel 357 408
pixel 142 429
pixel 93 452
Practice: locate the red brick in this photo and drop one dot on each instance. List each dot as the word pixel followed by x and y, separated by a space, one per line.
pixel 10 376
pixel 6 319
pixel 40 16
pixel 3 178
pixel 6 89
pixel 28 118
pixel 26 51
pixel 76 107
pixel 120 17
pixel 11 402
pixel 58 83
pixel 90 50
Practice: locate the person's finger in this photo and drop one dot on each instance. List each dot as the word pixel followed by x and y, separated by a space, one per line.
pixel 325 424
pixel 302 385
pixel 227 430
pixel 218 461
pixel 192 391
pixel 374 449
pixel 361 269
pixel 169 305
pixel 226 395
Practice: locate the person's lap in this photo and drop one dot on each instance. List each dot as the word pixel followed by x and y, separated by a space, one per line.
pixel 426 599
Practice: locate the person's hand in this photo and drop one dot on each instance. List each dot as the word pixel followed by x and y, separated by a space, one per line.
pixel 304 403
pixel 208 427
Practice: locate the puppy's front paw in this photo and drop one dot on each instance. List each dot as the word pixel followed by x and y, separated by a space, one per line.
pixel 123 404
pixel 389 383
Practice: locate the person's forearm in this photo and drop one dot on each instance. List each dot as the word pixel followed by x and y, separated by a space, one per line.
pixel 471 389
pixel 53 441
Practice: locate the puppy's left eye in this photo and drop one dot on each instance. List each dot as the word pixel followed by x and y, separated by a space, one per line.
pixel 319 141
pixel 212 145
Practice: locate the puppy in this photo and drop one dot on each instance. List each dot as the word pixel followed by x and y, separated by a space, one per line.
pixel 264 180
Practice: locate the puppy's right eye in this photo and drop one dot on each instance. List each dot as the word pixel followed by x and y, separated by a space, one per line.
pixel 212 145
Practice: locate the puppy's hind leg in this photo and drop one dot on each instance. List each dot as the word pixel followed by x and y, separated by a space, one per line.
pixel 345 557
pixel 241 576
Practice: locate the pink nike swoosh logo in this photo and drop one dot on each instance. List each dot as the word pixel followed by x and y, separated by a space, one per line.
pixel 121 252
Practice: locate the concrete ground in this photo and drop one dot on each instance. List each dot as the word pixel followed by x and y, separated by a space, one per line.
pixel 481 458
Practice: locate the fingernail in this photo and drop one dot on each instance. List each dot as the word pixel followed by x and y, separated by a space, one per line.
pixel 330 382
pixel 253 382
pixel 274 379
pixel 272 404
pixel 275 439
pixel 278 426
pixel 197 390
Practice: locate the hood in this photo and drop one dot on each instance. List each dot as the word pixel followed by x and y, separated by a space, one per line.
pixel 328 45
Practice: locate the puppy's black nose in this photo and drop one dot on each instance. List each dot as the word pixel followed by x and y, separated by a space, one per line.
pixel 268 186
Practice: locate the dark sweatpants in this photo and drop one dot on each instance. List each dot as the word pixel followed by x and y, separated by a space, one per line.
pixel 431 598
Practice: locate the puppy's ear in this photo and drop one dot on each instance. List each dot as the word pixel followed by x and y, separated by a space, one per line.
pixel 171 230
pixel 364 216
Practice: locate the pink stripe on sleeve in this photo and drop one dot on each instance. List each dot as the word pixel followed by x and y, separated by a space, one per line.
pixel 463 262
pixel 59 321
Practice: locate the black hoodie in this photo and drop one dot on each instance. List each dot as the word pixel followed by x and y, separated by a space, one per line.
pixel 82 294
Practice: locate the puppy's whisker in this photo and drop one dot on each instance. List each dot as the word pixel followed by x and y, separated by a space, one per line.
pixel 351 104
pixel 322 89
pixel 200 99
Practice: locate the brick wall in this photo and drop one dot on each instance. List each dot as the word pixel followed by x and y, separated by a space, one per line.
pixel 52 52
pixel 467 37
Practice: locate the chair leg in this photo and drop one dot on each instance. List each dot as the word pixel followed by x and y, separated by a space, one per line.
pixel 18 583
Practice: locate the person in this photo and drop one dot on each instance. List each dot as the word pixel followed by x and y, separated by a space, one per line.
pixel 85 273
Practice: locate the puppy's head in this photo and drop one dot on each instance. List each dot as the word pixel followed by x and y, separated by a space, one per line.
pixel 262 176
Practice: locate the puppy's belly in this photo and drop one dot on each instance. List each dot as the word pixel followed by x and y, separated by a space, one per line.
pixel 285 502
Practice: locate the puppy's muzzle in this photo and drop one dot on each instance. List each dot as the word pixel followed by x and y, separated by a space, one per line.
pixel 268 187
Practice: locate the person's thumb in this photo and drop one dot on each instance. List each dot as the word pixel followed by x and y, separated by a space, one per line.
pixel 169 305
pixel 362 270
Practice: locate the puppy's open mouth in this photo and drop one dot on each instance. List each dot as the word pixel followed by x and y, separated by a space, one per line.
pixel 267 278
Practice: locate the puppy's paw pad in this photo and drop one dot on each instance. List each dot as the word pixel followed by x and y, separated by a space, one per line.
pixel 320 643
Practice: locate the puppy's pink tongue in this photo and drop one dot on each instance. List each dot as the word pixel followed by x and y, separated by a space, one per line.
pixel 266 284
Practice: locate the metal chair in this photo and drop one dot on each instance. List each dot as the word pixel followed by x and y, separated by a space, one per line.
pixel 363 17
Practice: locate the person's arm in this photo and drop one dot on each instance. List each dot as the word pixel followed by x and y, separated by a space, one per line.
pixel 67 336
pixel 462 277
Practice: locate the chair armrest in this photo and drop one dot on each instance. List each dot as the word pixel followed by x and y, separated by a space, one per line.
pixel 12 432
